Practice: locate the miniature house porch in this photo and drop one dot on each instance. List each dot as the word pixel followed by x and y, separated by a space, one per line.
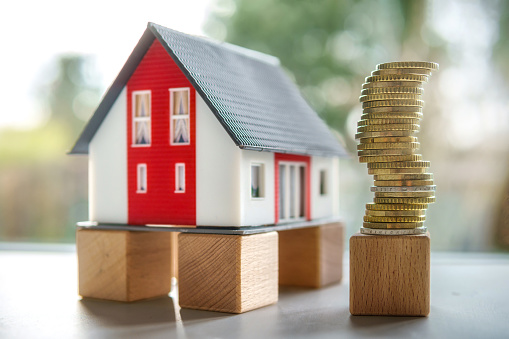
pixel 195 133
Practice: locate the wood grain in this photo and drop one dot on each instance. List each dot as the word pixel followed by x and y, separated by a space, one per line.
pixel 228 273
pixel 311 257
pixel 123 265
pixel 390 275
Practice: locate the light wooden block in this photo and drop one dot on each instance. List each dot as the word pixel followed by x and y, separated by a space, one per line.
pixel 123 265
pixel 228 273
pixel 390 275
pixel 312 256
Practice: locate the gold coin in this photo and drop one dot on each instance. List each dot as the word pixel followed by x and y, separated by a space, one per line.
pixel 390 96
pixel 389 183
pixel 393 103
pixel 397 77
pixel 396 207
pixel 388 127
pixel 399 164
pixel 377 171
pixel 392 84
pixel 390 121
pixel 409 64
pixel 423 71
pixel 389 151
pixel 392 224
pixel 369 218
pixel 406 213
pixel 377 134
pixel 393 115
pixel 388 145
pixel 393 109
pixel 418 194
pixel 388 140
pixel 390 158
pixel 395 90
pixel 405 200
pixel 405 176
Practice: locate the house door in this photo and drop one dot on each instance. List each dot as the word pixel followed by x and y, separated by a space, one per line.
pixel 292 191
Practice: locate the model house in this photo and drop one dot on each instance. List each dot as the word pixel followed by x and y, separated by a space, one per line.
pixel 197 132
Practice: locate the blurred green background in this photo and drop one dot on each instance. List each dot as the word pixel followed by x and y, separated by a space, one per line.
pixel 327 47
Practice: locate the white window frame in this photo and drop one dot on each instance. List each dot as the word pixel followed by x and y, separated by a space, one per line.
pixel 296 206
pixel 261 180
pixel 135 119
pixel 175 117
pixel 138 178
pixel 177 165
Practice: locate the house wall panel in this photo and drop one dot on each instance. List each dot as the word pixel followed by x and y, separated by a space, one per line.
pixel 217 172
pixel 107 167
pixel 257 211
pixel 158 73
pixel 326 205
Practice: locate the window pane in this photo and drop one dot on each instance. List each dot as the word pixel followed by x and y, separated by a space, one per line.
pixel 142 132
pixel 142 105
pixel 292 191
pixel 323 183
pixel 255 181
pixel 180 102
pixel 142 178
pixel 180 131
pixel 181 178
pixel 302 202
pixel 282 186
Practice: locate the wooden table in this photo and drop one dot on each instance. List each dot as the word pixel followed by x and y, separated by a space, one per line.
pixel 469 299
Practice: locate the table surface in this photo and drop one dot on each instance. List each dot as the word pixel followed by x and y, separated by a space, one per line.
pixel 469 299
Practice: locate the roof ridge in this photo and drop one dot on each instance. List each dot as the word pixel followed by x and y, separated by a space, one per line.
pixel 267 58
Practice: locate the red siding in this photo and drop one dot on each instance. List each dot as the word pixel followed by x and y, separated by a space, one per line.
pixel 161 205
pixel 297 158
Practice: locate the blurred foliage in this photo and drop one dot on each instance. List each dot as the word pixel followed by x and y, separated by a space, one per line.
pixel 329 46
pixel 44 192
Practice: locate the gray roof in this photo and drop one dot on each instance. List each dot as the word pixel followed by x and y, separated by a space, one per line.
pixel 248 92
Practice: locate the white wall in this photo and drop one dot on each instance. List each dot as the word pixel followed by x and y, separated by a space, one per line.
pixel 217 172
pixel 107 174
pixel 323 206
pixel 257 211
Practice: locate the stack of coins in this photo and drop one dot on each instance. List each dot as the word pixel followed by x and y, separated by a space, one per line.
pixel 392 109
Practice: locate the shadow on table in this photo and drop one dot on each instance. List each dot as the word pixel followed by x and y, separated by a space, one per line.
pixel 382 325
pixel 161 310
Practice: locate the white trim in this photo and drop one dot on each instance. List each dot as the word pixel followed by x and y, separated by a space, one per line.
pixel 138 168
pixel 261 180
pixel 177 165
pixel 172 117
pixel 134 119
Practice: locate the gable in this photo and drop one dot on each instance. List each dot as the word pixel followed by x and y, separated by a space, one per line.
pixel 255 102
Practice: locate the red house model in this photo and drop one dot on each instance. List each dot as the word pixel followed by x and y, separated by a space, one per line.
pixel 196 132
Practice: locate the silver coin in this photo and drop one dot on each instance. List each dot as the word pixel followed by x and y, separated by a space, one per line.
pixel 406 231
pixel 403 188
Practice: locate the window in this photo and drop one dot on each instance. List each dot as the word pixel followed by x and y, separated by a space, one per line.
pixel 141 118
pixel 179 116
pixel 292 191
pixel 257 181
pixel 323 182
pixel 141 185
pixel 180 178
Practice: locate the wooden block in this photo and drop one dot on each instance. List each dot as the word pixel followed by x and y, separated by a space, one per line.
pixel 390 275
pixel 123 265
pixel 312 256
pixel 228 273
